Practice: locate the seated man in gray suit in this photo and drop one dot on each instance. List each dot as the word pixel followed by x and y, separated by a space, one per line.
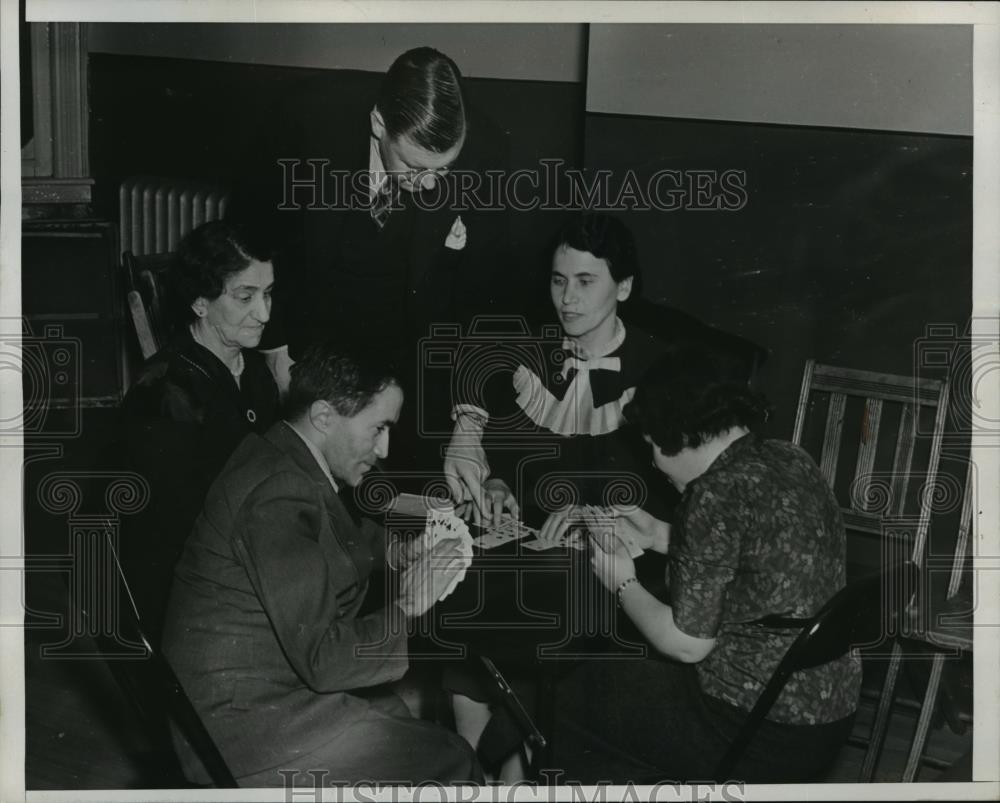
pixel 264 626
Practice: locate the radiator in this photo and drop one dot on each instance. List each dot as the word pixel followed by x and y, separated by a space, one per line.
pixel 154 213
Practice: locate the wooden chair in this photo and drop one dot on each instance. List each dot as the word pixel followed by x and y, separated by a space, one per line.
pixel 949 629
pixel 145 298
pixel 845 621
pixel 151 686
pixel 879 496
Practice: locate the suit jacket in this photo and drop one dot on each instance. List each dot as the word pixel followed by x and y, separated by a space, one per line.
pixel 263 626
pixel 326 119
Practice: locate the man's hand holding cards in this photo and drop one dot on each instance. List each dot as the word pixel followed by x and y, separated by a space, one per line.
pixel 439 562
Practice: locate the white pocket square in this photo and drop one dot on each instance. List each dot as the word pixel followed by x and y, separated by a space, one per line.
pixel 457 236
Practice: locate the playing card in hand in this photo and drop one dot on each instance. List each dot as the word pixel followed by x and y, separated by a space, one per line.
pixel 441 526
pixel 600 520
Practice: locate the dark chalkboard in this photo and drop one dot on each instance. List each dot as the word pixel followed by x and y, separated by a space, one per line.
pixel 846 245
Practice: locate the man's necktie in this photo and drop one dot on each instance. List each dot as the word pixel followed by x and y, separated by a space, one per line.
pixel 382 203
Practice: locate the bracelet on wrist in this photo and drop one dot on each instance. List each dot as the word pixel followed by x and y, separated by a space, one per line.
pixel 621 588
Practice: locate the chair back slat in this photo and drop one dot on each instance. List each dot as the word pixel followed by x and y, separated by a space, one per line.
pixel 831 436
pixel 800 413
pixel 962 542
pixel 145 276
pixel 140 321
pixel 934 461
pixel 874 500
pixel 870 425
pixel 902 461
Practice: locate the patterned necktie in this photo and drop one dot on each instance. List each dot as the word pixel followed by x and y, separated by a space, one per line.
pixel 382 204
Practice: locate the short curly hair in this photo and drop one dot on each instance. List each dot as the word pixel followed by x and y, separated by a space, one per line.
pixel 686 398
pixel 347 378
pixel 207 256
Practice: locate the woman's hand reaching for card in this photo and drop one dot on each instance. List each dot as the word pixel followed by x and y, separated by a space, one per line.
pixel 555 531
pixel 497 498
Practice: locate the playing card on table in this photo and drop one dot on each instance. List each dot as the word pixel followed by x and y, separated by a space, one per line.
pixel 571 540
pixel 509 529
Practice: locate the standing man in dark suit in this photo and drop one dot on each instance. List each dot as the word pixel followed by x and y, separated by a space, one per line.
pixel 368 187
pixel 265 626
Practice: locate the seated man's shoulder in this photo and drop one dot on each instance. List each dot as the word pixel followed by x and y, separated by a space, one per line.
pixel 259 458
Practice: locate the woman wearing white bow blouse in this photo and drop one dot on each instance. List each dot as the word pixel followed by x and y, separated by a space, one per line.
pixel 560 396
pixel 545 431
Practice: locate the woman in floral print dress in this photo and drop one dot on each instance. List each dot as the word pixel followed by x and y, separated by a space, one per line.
pixel 757 533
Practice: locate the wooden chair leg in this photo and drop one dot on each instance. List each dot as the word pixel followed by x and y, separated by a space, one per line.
pixel 924 721
pixel 948 702
pixel 917 675
pixel 881 724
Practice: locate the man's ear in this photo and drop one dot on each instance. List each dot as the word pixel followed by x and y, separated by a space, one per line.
pixel 624 289
pixel 321 415
pixel 378 124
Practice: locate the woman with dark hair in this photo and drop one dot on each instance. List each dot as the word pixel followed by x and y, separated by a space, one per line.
pixel 540 430
pixel 757 533
pixel 567 392
pixel 197 398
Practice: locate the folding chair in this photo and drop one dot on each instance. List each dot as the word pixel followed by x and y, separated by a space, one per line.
pixel 152 687
pixel 880 499
pixel 846 621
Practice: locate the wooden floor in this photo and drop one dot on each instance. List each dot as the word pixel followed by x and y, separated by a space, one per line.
pixel 82 734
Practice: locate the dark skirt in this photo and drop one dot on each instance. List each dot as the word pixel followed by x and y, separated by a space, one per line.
pixel 647 720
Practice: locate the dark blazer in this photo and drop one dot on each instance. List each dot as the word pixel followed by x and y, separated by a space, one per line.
pixel 263 626
pixel 321 289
